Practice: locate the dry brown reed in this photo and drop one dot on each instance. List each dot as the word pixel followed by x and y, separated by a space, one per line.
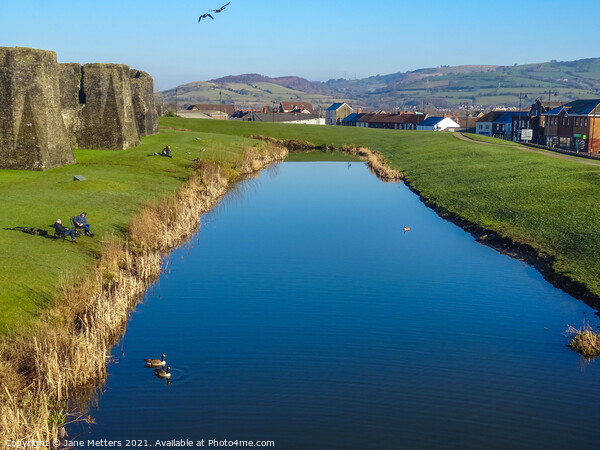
pixel 377 165
pixel 584 340
pixel 375 161
pixel 70 346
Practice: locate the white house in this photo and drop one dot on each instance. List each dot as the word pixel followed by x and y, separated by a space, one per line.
pixel 438 124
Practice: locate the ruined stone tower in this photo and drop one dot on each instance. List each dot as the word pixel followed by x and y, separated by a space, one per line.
pixel 146 117
pixel 107 117
pixel 47 108
pixel 69 78
pixel 32 132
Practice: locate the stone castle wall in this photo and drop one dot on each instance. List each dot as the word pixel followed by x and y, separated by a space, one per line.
pixel 146 117
pixel 107 117
pixel 50 108
pixel 32 133
pixel 69 77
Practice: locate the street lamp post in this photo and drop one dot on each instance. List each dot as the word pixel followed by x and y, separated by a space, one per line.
pixel 220 107
pixel 521 96
pixel 547 124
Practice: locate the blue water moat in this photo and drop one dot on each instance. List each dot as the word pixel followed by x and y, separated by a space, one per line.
pixel 302 314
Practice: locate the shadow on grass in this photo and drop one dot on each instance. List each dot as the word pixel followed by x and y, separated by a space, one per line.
pixel 34 231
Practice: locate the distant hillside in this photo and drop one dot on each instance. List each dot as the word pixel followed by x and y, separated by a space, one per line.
pixel 295 83
pixel 247 91
pixel 480 85
pixel 446 86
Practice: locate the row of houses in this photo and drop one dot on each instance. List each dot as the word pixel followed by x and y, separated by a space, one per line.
pixel 526 126
pixel 278 117
pixel 343 114
pixel 285 112
pixel 569 126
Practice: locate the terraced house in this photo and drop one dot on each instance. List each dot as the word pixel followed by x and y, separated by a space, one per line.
pixel 485 123
pixel 574 126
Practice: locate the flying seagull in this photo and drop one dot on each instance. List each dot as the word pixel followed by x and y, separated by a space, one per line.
pixel 204 16
pixel 221 8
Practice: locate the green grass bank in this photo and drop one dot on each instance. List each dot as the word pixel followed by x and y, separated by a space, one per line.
pixel 548 203
pixel 118 184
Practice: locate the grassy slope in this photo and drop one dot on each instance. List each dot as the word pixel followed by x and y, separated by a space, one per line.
pixel 549 203
pixel 489 140
pixel 259 93
pixel 118 183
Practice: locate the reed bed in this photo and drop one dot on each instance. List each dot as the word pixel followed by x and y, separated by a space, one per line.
pixel 70 347
pixel 375 161
pixel 378 166
pixel 584 340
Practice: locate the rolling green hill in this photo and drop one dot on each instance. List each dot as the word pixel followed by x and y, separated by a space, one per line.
pixel 446 86
pixel 253 93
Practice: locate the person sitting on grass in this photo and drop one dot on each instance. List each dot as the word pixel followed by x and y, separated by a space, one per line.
pixel 62 231
pixel 81 222
pixel 165 152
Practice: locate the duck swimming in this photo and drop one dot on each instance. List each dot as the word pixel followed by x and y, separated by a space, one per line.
pixel 153 362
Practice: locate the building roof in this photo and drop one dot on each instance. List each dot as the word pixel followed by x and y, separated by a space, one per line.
pixel 551 104
pixel 577 108
pixel 415 119
pixel 492 116
pixel 431 121
pixel 290 106
pixel 379 117
pixel 336 106
pixel 399 118
pixel 366 117
pixel 352 117
pixel 388 118
pixel 281 117
pixel 507 117
pixel 207 107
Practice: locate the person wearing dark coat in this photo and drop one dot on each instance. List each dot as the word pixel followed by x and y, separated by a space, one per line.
pixel 165 152
pixel 80 221
pixel 62 231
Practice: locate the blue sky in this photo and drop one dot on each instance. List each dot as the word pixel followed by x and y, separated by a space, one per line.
pixel 313 39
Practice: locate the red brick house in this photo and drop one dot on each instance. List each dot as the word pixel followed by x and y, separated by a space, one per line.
pixel 575 126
